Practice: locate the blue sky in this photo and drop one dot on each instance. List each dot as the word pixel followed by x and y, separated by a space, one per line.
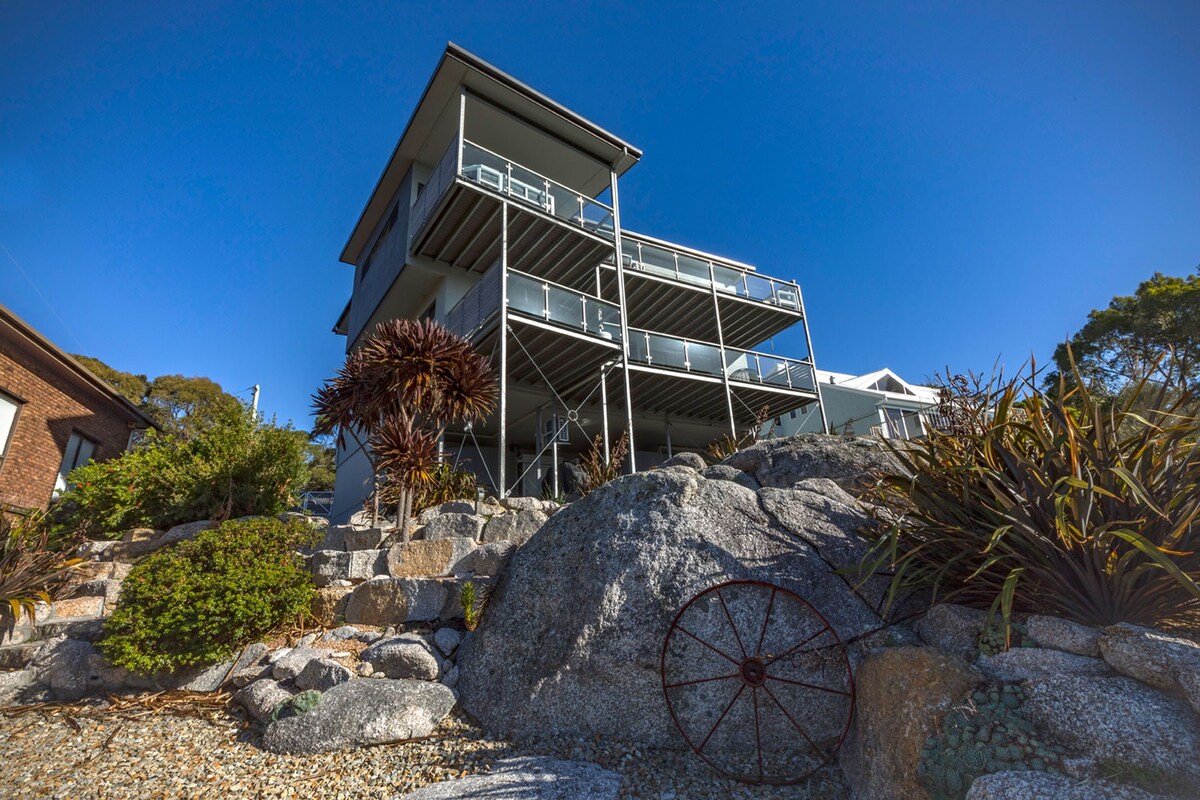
pixel 950 183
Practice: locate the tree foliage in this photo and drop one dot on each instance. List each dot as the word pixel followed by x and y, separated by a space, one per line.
pixel 236 466
pixel 1152 334
pixel 401 388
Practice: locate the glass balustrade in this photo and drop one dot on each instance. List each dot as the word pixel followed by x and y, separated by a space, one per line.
pixel 563 307
pixel 499 174
pixel 667 263
pixel 744 366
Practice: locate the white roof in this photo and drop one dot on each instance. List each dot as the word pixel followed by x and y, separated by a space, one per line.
pixel 883 381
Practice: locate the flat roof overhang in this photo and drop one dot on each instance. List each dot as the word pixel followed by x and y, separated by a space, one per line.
pixel 460 68
pixel 702 397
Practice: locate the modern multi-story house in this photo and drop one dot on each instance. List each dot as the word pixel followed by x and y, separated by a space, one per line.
pixel 499 215
pixel 879 403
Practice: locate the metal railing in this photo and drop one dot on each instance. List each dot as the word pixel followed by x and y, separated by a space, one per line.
pixel 740 366
pixel 499 174
pixel 318 504
pixel 536 298
pixel 654 259
pixel 564 307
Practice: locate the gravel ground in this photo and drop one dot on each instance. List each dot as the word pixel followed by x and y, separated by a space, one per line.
pixel 167 756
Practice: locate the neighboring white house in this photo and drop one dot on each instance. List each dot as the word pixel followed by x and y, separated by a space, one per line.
pixel 879 403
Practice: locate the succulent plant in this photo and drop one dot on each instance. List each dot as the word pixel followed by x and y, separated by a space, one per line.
pixel 296 705
pixel 986 734
pixel 992 640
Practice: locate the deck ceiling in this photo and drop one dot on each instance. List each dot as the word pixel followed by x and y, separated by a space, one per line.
pixel 465 231
pixel 746 323
pixel 570 363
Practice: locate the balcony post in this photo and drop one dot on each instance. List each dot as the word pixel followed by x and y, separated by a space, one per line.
pixel 712 284
pixel 812 360
pixel 616 206
pixel 462 128
pixel 503 404
pixel 604 409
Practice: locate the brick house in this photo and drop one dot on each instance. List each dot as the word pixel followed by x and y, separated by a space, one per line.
pixel 54 416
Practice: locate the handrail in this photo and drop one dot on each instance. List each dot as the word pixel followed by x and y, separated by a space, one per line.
pixel 655 259
pixel 743 366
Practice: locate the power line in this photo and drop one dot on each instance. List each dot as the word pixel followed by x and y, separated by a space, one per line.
pixel 53 311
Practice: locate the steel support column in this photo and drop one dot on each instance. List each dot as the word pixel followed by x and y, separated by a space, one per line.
pixel 620 264
pixel 712 283
pixel 503 410
pixel 812 359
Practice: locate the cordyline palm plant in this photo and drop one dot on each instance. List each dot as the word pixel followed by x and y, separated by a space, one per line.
pixel 400 389
pixel 33 564
pixel 1064 505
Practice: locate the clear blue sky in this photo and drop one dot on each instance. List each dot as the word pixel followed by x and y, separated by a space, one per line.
pixel 950 183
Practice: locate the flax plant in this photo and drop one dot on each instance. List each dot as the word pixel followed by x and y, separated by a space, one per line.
pixel 1068 504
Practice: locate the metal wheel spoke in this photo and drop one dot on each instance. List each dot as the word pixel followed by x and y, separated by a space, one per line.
pixel 721 718
pixel 795 649
pixel 732 627
pixel 758 736
pixel 807 685
pixel 701 680
pixel 723 655
pixel 790 719
pixel 766 619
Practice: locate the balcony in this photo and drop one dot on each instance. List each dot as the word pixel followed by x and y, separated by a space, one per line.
pixel 753 307
pixel 685 376
pixel 553 230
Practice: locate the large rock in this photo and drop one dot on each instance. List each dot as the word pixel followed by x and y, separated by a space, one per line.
pixel 1027 663
pixel 136 542
pixel 1163 661
pixel 515 526
pixel 185 532
pixel 1119 721
pixel 329 604
pixel 454 526
pixel 427 557
pixel 404 656
pixel 15 685
pixel 488 559
pixel 361 713
pixel 693 460
pixel 781 463
pixel 452 507
pixel 1062 634
pixel 902 693
pixel 579 619
pixel 364 539
pixel 71 669
pixel 1030 785
pixel 390 601
pixel 528 778
pixel 250 665
pixel 329 566
pixel 292 663
pixel 724 472
pixel 953 628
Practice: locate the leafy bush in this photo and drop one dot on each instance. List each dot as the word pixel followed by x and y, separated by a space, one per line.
pixel 721 449
pixel 34 563
pixel 1058 505
pixel 234 467
pixel 200 601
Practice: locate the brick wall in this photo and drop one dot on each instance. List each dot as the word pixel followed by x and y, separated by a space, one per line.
pixel 56 402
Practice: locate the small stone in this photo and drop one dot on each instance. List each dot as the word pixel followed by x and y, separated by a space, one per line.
pixel 249 666
pixel 489 558
pixel 405 656
pixel 365 669
pixel 515 526
pixel 292 664
pixel 78 607
pixel 322 674
pixel 261 697
pixel 1026 663
pixel 454 526
pixel 450 679
pixel 953 628
pixel 447 640
pixel 1150 656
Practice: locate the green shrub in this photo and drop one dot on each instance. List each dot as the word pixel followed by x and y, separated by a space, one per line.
pixel 200 601
pixel 234 467
pixel 1060 505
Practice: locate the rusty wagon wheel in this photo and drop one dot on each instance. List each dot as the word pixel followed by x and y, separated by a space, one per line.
pixel 758 682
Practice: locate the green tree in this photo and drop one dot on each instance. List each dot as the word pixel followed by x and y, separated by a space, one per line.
pixel 321 456
pixel 183 406
pixel 132 387
pixel 1153 334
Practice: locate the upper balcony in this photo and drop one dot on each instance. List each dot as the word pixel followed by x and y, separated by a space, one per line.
pixel 553 231
pixel 673 288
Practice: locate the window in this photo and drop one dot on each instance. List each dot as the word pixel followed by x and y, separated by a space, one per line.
pixel 9 406
pixel 79 451
pixel 431 312
pixel 792 413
